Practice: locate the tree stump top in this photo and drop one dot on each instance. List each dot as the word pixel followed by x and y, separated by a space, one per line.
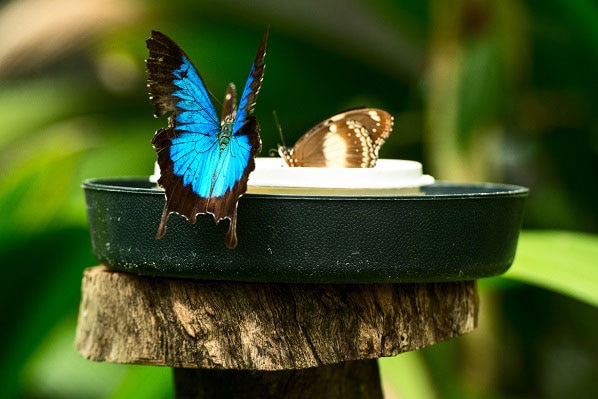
pixel 127 318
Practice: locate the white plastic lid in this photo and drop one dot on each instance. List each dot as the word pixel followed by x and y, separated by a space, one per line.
pixel 387 174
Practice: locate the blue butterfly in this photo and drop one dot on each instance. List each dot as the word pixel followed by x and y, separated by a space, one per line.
pixel 204 161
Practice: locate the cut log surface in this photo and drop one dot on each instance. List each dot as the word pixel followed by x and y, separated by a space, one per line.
pixel 183 323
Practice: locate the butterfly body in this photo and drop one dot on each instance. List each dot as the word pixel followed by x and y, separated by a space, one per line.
pixel 204 160
pixel 350 139
pixel 225 135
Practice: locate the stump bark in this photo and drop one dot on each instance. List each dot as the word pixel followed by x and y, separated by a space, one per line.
pixel 238 339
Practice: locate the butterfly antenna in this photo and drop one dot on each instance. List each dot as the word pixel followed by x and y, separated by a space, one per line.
pixel 215 99
pixel 279 128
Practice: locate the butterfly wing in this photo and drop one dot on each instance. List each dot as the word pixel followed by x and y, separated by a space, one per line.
pixel 350 139
pixel 203 170
pixel 252 86
pixel 175 85
pixel 238 156
pixel 188 147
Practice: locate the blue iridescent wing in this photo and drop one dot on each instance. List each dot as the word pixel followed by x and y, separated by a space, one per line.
pixel 174 85
pixel 252 86
pixel 204 163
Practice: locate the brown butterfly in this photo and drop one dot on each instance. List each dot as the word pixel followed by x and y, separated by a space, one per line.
pixel 350 139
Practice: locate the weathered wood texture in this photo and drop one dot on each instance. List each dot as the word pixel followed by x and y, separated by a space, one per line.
pixel 126 318
pixel 348 380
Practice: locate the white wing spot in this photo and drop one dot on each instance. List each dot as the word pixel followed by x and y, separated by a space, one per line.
pixel 374 115
pixel 334 149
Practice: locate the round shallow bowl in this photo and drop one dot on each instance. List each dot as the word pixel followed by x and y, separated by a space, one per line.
pixel 441 232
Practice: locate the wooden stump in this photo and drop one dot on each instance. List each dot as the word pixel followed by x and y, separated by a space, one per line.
pixel 235 339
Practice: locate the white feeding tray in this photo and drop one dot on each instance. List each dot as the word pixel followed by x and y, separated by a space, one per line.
pixel 388 177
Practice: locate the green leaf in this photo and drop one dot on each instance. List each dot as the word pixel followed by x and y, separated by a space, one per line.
pixel 561 261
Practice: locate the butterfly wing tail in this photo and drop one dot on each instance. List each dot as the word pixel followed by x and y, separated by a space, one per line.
pixel 231 234
pixel 161 142
pixel 163 221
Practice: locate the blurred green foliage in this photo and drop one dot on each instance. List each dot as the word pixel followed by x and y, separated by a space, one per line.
pixel 480 90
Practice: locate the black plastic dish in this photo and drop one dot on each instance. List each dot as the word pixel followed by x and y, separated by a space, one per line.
pixel 450 232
